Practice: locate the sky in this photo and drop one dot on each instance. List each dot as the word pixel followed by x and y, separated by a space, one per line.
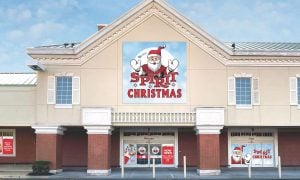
pixel 32 23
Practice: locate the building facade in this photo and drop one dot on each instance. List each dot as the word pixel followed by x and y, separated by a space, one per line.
pixel 152 86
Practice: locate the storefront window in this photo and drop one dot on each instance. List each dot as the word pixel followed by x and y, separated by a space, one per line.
pixel 7 144
pixel 260 154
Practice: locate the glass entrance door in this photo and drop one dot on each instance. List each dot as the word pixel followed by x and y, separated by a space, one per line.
pixel 143 154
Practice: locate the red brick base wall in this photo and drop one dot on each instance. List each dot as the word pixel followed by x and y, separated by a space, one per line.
pixel 99 147
pixel 209 150
pixel 224 149
pixel 115 148
pixel 25 146
pixel 289 148
pixel 75 147
pixel 49 148
pixel 187 143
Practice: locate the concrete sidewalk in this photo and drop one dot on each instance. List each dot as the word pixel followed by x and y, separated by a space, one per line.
pixel 177 173
pixel 164 173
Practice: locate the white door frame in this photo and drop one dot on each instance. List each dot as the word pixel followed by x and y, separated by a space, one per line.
pixel 152 129
pixel 274 140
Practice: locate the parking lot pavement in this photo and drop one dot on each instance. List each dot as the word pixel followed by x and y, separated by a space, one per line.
pixel 165 173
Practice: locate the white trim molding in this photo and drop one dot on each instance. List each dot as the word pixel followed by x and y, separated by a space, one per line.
pixel 209 172
pixel 243 74
pixel 40 129
pixel 208 129
pixel 98 129
pixel 55 171
pixel 209 116
pixel 96 116
pixel 97 172
pixel 209 120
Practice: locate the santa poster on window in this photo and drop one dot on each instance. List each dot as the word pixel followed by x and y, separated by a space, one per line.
pixel 8 145
pixel 240 154
pixel 154 72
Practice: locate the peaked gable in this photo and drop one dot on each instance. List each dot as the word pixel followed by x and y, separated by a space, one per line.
pixel 82 52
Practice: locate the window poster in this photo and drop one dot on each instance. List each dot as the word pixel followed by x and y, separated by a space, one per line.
pixel 1 146
pixel 6 145
pixel 142 154
pixel 260 154
pixel 154 72
pixel 167 154
pixel 257 154
pixel 263 154
pixel 155 153
pixel 130 152
pixel 240 154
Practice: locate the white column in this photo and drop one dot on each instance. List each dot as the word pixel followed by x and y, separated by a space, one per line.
pixel 97 122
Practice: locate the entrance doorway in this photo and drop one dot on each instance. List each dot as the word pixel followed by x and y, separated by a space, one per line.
pixel 256 147
pixel 143 146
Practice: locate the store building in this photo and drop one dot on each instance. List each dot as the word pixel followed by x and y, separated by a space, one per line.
pixel 152 85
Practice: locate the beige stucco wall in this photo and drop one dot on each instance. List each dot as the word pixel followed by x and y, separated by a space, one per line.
pixel 101 84
pixel 17 105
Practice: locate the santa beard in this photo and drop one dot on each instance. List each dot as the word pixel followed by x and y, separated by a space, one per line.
pixel 154 67
pixel 236 158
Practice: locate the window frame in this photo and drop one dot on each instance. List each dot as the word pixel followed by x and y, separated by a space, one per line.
pixel 298 96
pixel 63 106
pixel 244 106
pixel 14 142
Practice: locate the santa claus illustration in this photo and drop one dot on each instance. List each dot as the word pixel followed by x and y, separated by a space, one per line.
pixel 129 153
pixel 154 66
pixel 237 155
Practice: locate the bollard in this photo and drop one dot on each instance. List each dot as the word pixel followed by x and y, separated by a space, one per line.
pixel 153 160
pixel 249 171
pixel 122 168
pixel 279 167
pixel 184 167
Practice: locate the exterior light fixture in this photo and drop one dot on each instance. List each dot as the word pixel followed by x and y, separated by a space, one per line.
pixel 36 66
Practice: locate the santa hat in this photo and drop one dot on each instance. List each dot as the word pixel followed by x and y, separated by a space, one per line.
pixel 238 149
pixel 156 52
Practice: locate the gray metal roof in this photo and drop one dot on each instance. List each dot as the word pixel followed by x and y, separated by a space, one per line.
pixel 64 45
pixel 16 79
pixel 264 46
pixel 239 46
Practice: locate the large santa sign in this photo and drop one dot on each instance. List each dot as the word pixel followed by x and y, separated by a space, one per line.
pixel 154 72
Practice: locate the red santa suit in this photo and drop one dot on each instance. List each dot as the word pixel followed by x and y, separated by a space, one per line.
pixel 240 161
